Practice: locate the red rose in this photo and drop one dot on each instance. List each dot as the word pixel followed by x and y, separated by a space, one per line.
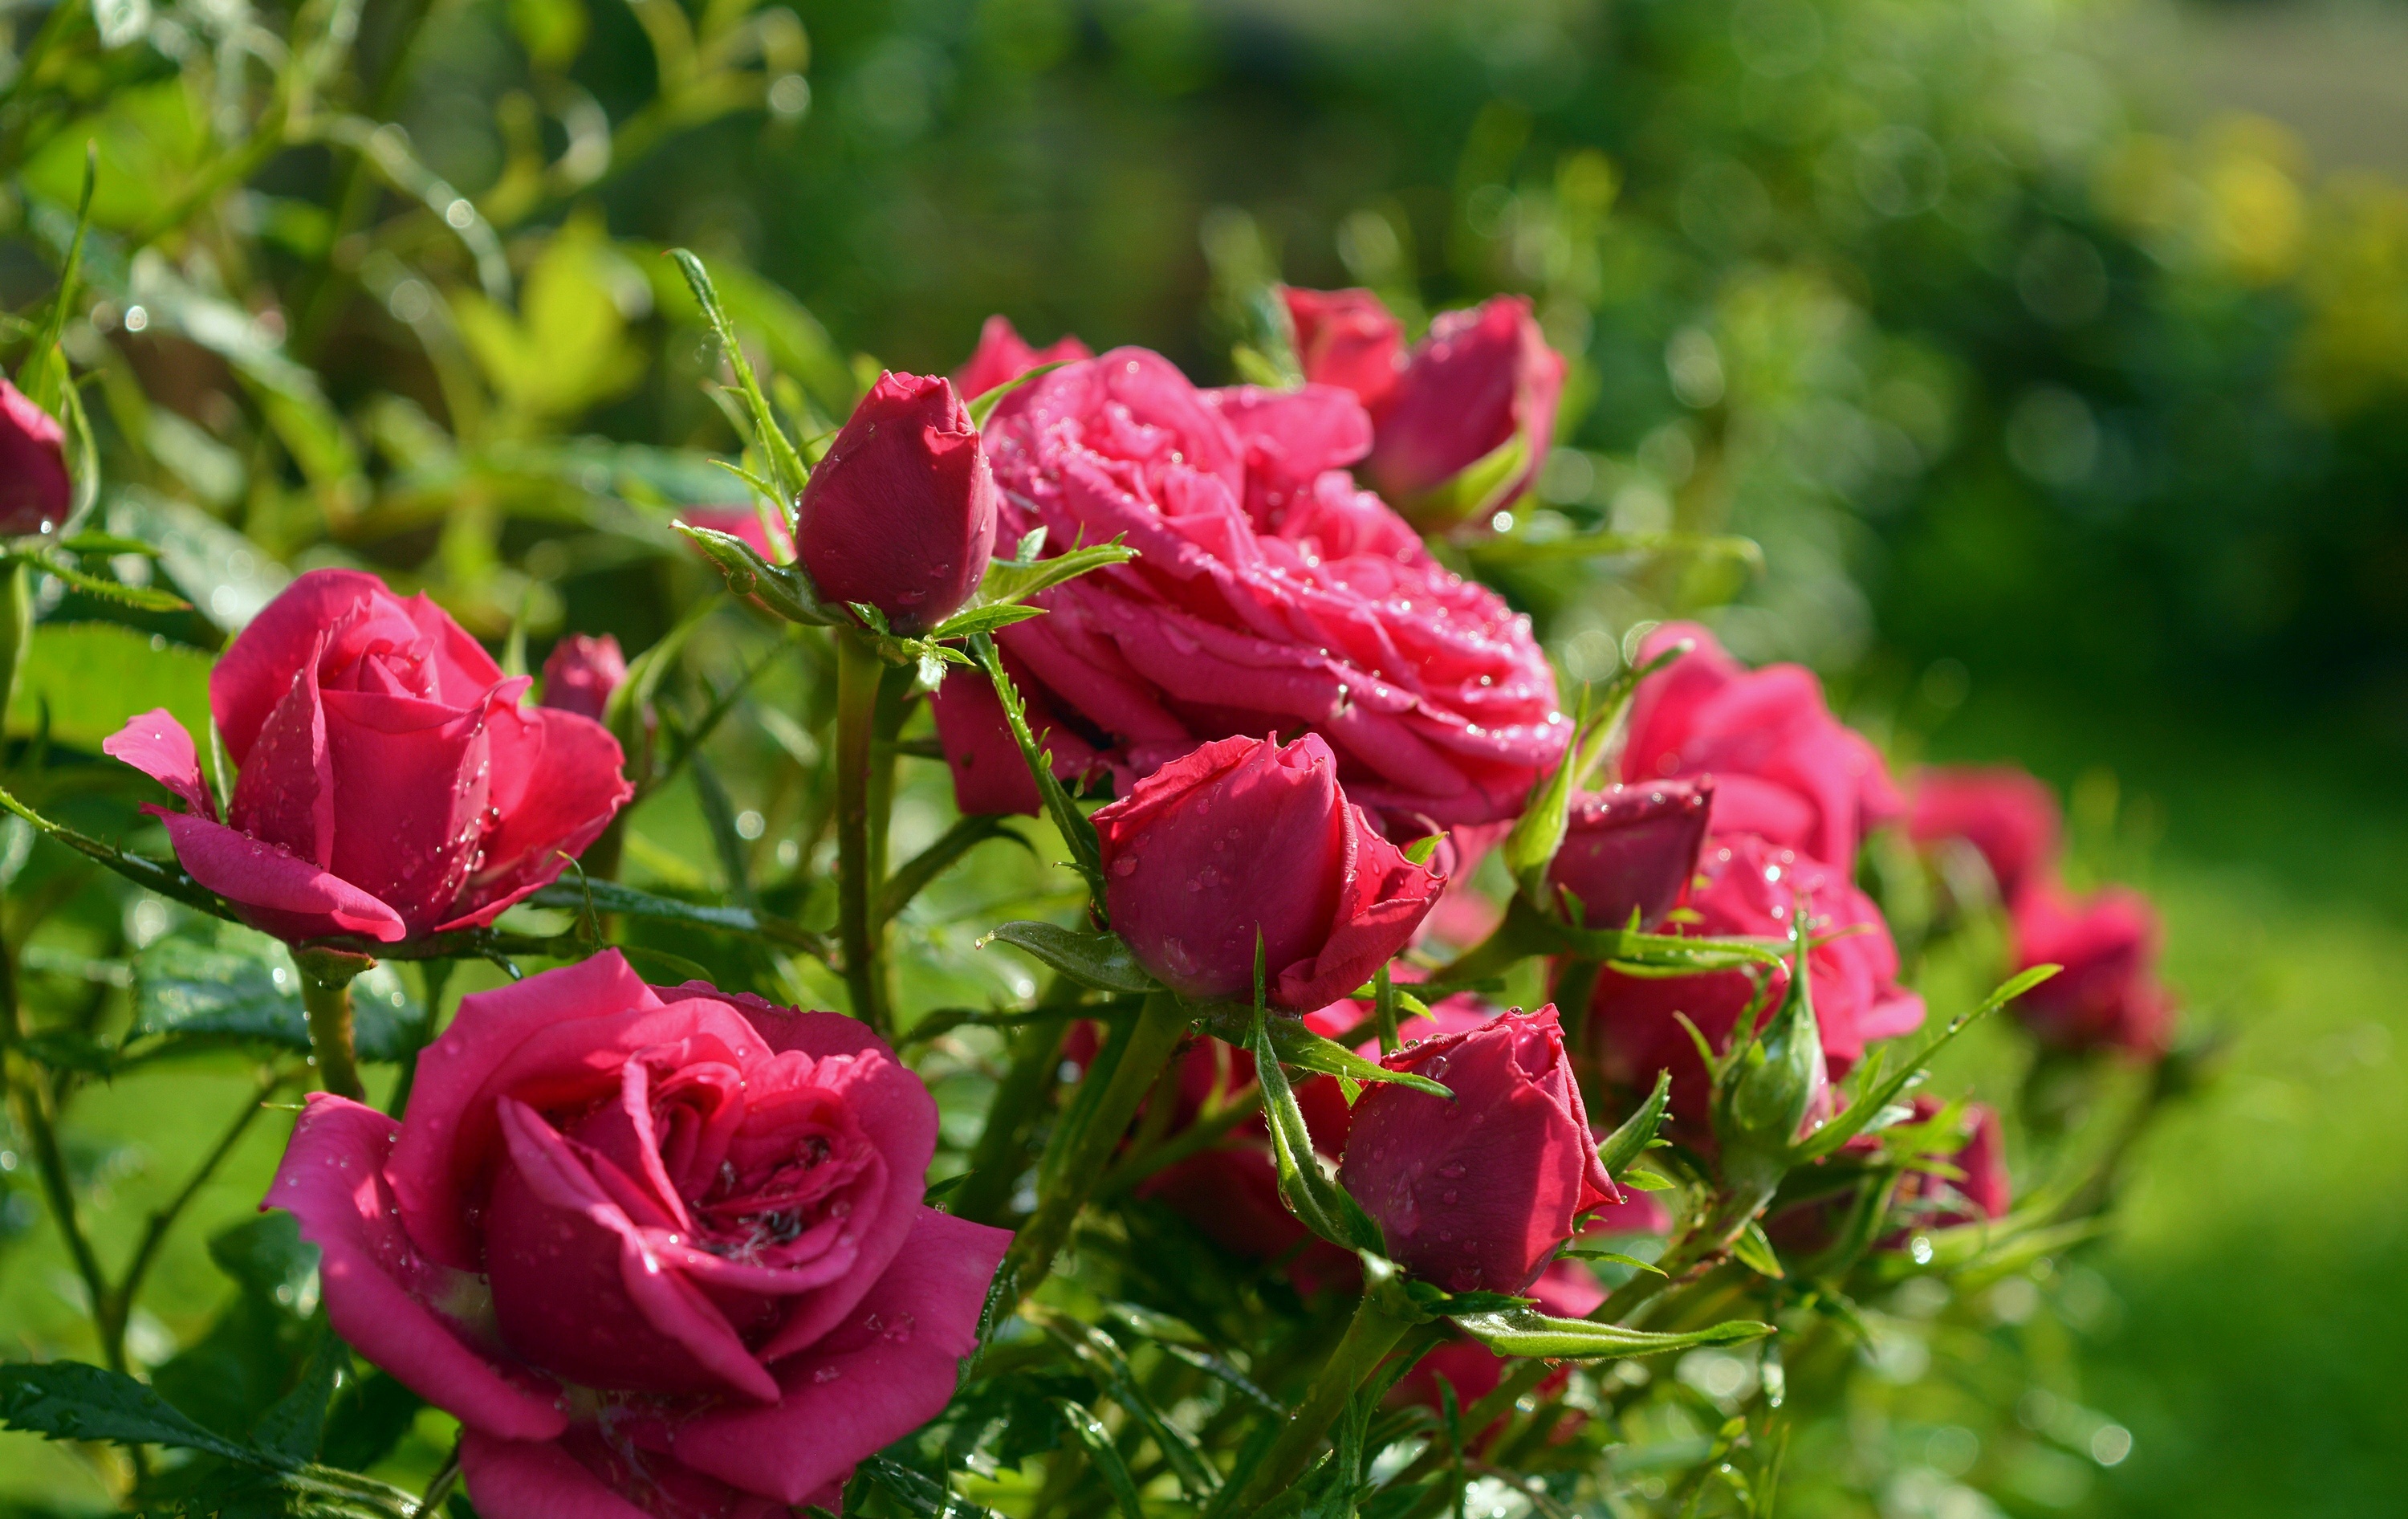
pixel 1245 838
pixel 1749 887
pixel 390 784
pixel 2009 818
pixel 900 514
pixel 2108 996
pixel 35 494
pixel 1347 339
pixel 1269 595
pixel 1785 768
pixel 1481 378
pixel 581 673
pixel 1476 1194
pixel 1632 850
pixel 1003 356
pixel 653 1247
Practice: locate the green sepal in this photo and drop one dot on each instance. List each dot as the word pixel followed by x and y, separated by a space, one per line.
pixel 1630 1140
pixel 1311 1194
pixel 782 589
pixel 1528 1332
pixel 1300 1047
pixel 1086 852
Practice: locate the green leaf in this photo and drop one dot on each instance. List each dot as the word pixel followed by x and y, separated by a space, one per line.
pixel 1305 1050
pixel 1647 1181
pixel 983 407
pixel 1626 1143
pixel 208 980
pixel 1097 960
pixel 1755 1251
pixel 1525 550
pixel 1524 1331
pixel 92 677
pixel 610 896
pixel 1310 1194
pixel 918 1493
pixel 1010 581
pixel 289 1433
pixel 1086 853
pixel 785 462
pixel 1873 1095
pixel 1105 1457
pixel 70 1400
pixel 1612 1257
pixel 1101 1357
pixel 985 620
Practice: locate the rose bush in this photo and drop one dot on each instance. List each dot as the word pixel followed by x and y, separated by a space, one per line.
pixel 1245 840
pixel 389 782
pixel 1269 593
pixel 660 1250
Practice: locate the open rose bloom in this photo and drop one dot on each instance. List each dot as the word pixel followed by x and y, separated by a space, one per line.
pixel 392 783
pixel 661 1251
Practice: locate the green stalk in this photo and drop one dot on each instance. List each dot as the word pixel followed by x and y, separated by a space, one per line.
pixel 1371 1336
pixel 1076 1157
pixel 328 1002
pixel 858 670
pixel 995 1164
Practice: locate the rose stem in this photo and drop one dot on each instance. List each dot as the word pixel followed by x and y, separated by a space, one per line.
pixel 995 1164
pixel 1075 1158
pixel 328 1002
pixel 858 669
pixel 1369 1336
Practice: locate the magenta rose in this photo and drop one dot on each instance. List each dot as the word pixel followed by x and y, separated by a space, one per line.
pixel 660 1250
pixel 1347 339
pixel 1480 380
pixel 390 784
pixel 1476 1194
pixel 901 513
pixel 1269 595
pixel 580 674
pixel 1748 887
pixel 1783 767
pixel 1244 837
pixel 1631 850
pixel 2107 996
pixel 2009 818
pixel 1003 356
pixel 35 492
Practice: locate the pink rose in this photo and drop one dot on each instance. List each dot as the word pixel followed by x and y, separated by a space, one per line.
pixel 1785 768
pixel 580 674
pixel 1347 339
pixel 901 513
pixel 35 494
pixel 1476 1194
pixel 1749 887
pixel 1243 838
pixel 660 1251
pixel 1269 595
pixel 1630 850
pixel 1478 381
pixel 1003 356
pixel 2108 996
pixel 390 784
pixel 2009 818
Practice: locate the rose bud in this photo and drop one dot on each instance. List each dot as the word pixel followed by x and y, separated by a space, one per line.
pixel 1475 1194
pixel 389 782
pixel 2009 818
pixel 35 494
pixel 1976 1190
pixel 1245 838
pixel 900 514
pixel 1785 768
pixel 1481 378
pixel 581 673
pixel 1749 887
pixel 659 1247
pixel 1003 356
pixel 2108 996
pixel 1347 339
pixel 1631 851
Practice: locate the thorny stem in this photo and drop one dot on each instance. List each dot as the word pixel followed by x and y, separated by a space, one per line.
pixel 858 673
pixel 438 1487
pixel 1372 1333
pixel 1074 1161
pixel 328 1003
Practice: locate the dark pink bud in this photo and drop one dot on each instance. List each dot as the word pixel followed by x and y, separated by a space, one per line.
pixel 1476 1194
pixel 1003 356
pixel 900 515
pixel 2108 996
pixel 35 492
pixel 1347 338
pixel 1468 389
pixel 1632 849
pixel 581 673
pixel 1242 836
pixel 2009 817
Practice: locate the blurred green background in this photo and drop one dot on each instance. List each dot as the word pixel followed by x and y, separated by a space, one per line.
pixel 2056 351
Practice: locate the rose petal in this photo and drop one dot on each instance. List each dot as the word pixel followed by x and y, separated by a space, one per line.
pixel 257 668
pixel 410 779
pixel 154 743
pixel 888 1370
pixel 376 1279
pixel 285 794
pixel 556 785
pixel 518 1479
pixel 463 669
pixel 274 891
